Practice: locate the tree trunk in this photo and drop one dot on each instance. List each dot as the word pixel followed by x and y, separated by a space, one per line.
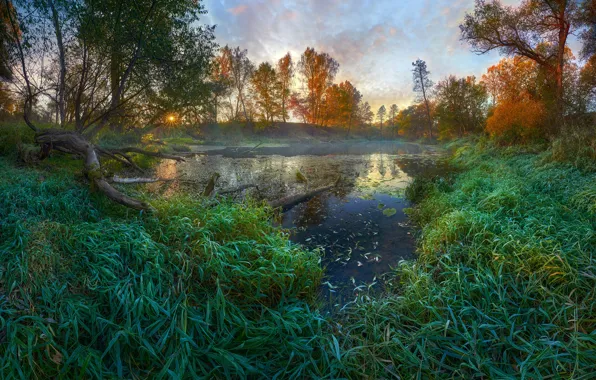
pixel 62 61
pixel 430 122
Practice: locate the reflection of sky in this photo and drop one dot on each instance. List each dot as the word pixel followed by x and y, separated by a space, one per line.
pixel 375 41
pixel 276 175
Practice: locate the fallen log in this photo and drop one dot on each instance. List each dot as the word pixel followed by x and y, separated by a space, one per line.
pixel 288 202
pixel 148 153
pixel 75 143
pixel 117 179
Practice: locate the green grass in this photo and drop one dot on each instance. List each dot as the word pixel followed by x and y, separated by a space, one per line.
pixel 505 285
pixel 90 289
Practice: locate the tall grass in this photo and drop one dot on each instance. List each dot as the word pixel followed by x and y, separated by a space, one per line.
pixel 198 290
pixel 505 285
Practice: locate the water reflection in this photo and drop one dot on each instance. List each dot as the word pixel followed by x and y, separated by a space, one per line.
pixel 361 226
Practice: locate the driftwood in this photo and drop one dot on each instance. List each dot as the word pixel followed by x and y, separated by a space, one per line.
pixel 75 143
pixel 123 180
pixel 288 202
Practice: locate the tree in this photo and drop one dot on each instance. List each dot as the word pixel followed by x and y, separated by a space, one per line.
pixel 318 72
pixel 512 79
pixel 242 69
pixel 461 106
pixel 285 73
pixel 423 86
pixel 340 105
pixel 412 121
pixel 267 90
pixel 381 116
pixel 588 35
pixel 536 29
pixel 299 107
pixel 221 81
pixel 393 111
pixel 365 113
pixel 587 82
pixel 351 99
pixel 154 38
pixel 6 39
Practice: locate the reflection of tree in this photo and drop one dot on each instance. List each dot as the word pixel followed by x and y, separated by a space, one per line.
pixel 417 166
pixel 382 170
pixel 312 212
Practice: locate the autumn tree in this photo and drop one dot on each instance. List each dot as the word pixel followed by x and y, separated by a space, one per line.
pixel 351 99
pixel 412 121
pixel 381 117
pixel 519 111
pixel 285 74
pixel 220 80
pixel 318 71
pixel 536 29
pixel 461 106
pixel 365 113
pixel 299 107
pixel 422 86
pixel 268 90
pixel 242 69
pixel 341 103
pixel 393 111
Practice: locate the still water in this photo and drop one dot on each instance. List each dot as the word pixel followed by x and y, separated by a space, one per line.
pixel 360 227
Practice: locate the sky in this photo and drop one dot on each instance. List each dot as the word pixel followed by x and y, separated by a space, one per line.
pixel 374 41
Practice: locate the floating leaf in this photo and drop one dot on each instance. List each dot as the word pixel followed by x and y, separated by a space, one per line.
pixel 389 212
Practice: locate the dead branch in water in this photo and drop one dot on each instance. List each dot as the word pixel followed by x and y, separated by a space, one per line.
pixel 290 201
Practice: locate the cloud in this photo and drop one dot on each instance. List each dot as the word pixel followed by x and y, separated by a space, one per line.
pixel 375 41
pixel 238 10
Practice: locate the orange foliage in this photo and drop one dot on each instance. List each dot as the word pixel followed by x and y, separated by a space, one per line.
pixel 517 121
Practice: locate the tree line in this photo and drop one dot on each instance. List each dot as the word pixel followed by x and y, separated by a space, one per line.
pixel 537 91
pixel 302 89
pixel 92 64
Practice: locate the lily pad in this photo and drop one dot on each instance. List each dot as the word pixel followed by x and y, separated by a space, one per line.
pixel 381 206
pixel 389 212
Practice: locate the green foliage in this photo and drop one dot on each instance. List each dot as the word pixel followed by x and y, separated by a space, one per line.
pixel 13 135
pixel 504 286
pixel 93 290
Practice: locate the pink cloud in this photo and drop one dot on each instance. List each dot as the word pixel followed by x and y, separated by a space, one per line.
pixel 238 10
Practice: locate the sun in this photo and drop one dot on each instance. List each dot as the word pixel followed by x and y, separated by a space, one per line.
pixel 171 118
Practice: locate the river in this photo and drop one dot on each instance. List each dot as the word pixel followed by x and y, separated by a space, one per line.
pixel 360 227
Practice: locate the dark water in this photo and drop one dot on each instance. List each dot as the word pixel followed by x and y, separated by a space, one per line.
pixel 360 227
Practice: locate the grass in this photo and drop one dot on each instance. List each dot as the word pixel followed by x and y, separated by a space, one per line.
pixel 505 284
pixel 90 289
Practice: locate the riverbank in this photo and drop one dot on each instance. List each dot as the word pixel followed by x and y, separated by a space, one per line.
pixel 504 283
pixel 200 288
